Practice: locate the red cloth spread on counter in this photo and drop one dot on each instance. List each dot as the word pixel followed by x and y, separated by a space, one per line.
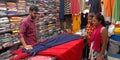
pixel 67 51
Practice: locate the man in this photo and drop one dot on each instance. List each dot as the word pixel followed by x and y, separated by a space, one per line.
pixel 27 29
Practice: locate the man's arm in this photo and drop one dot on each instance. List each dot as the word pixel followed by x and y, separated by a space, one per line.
pixel 24 44
pixel 22 31
pixel 22 41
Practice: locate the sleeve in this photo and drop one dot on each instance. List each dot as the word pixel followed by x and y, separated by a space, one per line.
pixel 22 29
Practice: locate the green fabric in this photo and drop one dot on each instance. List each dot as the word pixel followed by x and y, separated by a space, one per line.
pixel 116 10
pixel 6 39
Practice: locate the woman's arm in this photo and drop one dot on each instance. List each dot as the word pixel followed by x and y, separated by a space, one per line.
pixel 104 37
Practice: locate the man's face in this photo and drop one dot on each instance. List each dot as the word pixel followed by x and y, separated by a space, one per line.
pixel 33 14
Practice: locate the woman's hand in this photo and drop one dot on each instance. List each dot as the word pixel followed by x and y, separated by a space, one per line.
pixel 99 58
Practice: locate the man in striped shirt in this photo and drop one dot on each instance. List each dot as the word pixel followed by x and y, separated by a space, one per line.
pixel 27 29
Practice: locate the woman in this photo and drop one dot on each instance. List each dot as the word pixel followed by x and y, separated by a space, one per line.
pixel 90 27
pixel 98 39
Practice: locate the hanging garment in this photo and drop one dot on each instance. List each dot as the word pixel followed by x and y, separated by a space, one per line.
pixel 60 39
pixel 74 6
pixel 84 20
pixel 116 10
pixel 68 21
pixel 76 23
pixel 82 5
pixel 95 6
pixel 66 7
pixel 61 9
pixel 108 6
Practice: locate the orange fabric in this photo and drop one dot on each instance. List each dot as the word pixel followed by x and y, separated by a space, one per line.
pixel 76 21
pixel 108 5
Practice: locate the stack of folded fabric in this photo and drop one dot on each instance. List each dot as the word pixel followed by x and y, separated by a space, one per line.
pixel 115 39
pixel 3 8
pixel 6 55
pixel 21 6
pixel 14 21
pixel 6 38
pixel 12 8
pixel 48 25
pixel 4 20
pixel 4 23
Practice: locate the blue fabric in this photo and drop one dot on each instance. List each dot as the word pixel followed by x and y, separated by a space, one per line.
pixel 116 37
pixel 60 39
pixel 95 6
pixel 61 9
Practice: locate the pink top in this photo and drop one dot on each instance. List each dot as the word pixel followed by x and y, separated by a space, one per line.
pixel 96 37
pixel 27 29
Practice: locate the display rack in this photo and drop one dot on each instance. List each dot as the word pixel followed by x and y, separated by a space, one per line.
pixel 48 24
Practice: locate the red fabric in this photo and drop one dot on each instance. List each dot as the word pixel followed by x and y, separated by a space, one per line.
pixel 67 51
pixel 74 6
pixel 27 29
pixel 19 54
pixel 96 37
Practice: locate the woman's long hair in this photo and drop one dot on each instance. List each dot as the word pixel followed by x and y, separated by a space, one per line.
pixel 100 18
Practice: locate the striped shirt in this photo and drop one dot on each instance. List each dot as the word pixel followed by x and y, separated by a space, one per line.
pixel 27 30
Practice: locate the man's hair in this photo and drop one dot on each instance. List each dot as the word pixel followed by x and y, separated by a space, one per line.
pixel 33 8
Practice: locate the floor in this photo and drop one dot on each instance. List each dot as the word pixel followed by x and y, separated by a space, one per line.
pixel 113 56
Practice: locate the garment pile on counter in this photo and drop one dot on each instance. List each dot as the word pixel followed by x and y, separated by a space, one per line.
pixel 114 41
pixel 49 46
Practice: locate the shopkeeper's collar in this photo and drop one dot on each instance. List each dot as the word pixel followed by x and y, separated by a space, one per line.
pixel 29 18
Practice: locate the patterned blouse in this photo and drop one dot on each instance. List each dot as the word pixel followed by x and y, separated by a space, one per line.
pixel 89 29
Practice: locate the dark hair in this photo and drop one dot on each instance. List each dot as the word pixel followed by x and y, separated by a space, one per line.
pixel 91 15
pixel 100 18
pixel 33 8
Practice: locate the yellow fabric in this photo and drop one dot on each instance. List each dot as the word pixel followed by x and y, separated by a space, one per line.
pixel 76 23
pixel 117 30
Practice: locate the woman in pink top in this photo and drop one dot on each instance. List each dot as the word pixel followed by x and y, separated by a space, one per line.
pixel 98 39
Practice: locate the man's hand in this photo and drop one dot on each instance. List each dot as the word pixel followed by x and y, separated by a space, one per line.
pixel 28 47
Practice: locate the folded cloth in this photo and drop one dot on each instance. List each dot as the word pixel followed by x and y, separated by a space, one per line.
pixel 67 51
pixel 57 40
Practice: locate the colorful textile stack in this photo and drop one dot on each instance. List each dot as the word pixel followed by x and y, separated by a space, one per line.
pixel 12 8
pixel 21 6
pixel 114 39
